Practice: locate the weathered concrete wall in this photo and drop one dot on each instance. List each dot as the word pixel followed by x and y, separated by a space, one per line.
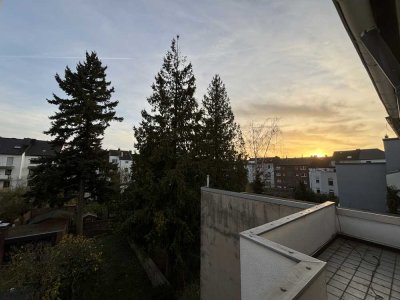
pixel 223 216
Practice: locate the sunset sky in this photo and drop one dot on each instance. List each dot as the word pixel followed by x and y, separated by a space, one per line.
pixel 278 58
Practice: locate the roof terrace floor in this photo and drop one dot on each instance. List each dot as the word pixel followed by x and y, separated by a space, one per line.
pixel 358 270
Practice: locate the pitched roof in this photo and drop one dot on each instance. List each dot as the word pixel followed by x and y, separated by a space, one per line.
pixel 123 155
pixel 40 148
pixel 358 154
pixel 33 147
pixel 12 146
pixel 295 161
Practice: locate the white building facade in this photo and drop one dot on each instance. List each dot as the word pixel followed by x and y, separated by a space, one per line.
pixel 18 157
pixel 323 181
pixel 265 166
pixel 123 160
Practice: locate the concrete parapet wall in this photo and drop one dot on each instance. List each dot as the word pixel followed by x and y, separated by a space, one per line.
pixel 223 216
pixel 377 228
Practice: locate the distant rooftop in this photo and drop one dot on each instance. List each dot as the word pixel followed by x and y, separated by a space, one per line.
pixel 31 147
pixel 359 154
pixel 315 162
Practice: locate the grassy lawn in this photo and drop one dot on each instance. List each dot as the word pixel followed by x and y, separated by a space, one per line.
pixel 121 276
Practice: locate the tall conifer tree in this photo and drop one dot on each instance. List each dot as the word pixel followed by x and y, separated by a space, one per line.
pixel 166 183
pixel 222 140
pixel 80 168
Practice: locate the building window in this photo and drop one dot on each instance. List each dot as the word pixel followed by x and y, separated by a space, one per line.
pixel 268 167
pixel 6 184
pixel 34 161
pixel 10 161
pixel 278 167
pixel 8 172
pixel 317 180
pixel 278 174
pixel 114 161
pixel 278 180
pixel 302 167
pixel 318 191
pixel 330 181
pixel 331 193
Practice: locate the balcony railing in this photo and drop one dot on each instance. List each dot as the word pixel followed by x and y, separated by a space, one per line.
pixel 5 177
pixel 276 258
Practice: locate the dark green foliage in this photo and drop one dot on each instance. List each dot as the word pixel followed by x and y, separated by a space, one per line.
pixel 80 165
pixel 12 204
pixel 258 185
pixel 303 192
pixel 393 199
pixel 224 158
pixel 59 272
pixel 165 193
pixel 120 275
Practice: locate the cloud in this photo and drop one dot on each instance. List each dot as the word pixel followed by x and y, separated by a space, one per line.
pixel 286 110
pixel 291 59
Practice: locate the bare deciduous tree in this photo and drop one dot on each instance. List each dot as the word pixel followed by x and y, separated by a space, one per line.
pixel 260 138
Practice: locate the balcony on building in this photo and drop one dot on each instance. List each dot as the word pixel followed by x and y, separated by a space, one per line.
pixel 303 251
pixel 5 165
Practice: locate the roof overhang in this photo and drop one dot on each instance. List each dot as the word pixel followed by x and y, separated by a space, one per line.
pixel 373 27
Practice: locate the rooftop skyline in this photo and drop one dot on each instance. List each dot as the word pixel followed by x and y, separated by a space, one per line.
pixel 278 58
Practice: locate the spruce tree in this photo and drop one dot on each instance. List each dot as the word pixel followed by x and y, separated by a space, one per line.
pixel 166 181
pixel 80 169
pixel 222 140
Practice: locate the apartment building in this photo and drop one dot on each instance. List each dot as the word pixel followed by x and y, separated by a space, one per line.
pixel 361 179
pixel 123 160
pixel 18 157
pixel 289 172
pixel 265 166
pixel 322 176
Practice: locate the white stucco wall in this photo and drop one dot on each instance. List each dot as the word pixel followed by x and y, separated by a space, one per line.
pixel 299 231
pixel 323 175
pixel 223 216
pixel 14 178
pixel 377 228
pixel 261 269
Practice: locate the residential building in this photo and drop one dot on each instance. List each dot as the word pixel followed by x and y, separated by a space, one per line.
pixel 362 186
pixel 18 157
pixel 392 152
pixel 123 160
pixel 322 176
pixel 324 181
pixel 361 179
pixel 265 165
pixel 359 156
pixel 289 172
